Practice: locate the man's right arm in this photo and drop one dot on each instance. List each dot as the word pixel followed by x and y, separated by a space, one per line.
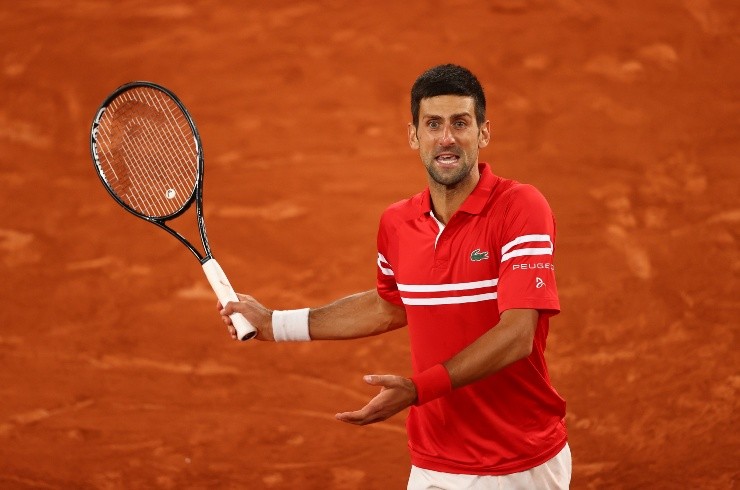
pixel 359 315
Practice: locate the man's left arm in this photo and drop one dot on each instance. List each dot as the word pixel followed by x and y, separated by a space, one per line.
pixel 509 341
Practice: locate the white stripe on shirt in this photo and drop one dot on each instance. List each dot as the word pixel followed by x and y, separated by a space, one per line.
pixel 485 286
pixel 449 300
pixel 385 270
pixel 459 286
pixel 526 251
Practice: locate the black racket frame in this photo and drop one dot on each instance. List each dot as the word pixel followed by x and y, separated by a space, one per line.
pixel 196 196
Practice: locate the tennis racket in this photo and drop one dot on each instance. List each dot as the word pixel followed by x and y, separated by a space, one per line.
pixel 147 153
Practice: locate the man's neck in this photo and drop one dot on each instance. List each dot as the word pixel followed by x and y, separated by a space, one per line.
pixel 446 200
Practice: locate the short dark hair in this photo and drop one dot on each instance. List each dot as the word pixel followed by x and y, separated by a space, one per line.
pixel 448 79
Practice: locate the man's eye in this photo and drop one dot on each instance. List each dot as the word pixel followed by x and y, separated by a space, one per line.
pixel 433 124
pixel 460 124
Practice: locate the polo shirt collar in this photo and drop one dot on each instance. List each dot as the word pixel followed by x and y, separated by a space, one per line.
pixel 477 199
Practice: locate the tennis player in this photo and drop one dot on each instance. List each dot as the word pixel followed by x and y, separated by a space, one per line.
pixel 467 264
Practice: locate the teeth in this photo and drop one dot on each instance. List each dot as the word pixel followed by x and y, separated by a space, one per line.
pixel 447 158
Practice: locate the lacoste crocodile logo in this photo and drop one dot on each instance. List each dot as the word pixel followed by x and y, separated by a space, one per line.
pixel 477 255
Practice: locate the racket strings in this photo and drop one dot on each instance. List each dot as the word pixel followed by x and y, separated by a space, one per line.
pixel 147 152
pixel 134 187
pixel 183 140
pixel 162 150
pixel 145 165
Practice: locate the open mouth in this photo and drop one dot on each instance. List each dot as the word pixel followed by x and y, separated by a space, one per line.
pixel 447 159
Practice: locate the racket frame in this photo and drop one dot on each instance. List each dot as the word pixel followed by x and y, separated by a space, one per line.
pixel 197 194
pixel 214 273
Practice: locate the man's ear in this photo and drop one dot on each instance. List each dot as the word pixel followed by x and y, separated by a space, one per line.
pixel 484 137
pixel 413 138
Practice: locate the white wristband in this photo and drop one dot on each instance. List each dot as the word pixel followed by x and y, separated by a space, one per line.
pixel 290 325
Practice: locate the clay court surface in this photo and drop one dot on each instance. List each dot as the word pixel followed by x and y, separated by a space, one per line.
pixel 115 371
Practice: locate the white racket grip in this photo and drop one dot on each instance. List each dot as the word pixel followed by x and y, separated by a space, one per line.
pixel 225 293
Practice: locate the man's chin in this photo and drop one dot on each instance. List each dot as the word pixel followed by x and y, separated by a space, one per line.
pixel 446 179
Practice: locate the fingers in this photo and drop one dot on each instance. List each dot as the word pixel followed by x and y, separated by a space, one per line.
pixel 365 415
pixel 386 380
pixel 355 418
pixel 242 297
pixel 253 311
pixel 225 311
pixel 369 414
pixel 234 306
pixel 228 309
pixel 396 394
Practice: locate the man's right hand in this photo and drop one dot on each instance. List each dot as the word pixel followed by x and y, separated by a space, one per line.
pixel 259 316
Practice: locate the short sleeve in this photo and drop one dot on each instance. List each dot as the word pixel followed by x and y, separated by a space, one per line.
pixel 386 280
pixel 527 238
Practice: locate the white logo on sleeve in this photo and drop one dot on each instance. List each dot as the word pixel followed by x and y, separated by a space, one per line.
pixel 540 283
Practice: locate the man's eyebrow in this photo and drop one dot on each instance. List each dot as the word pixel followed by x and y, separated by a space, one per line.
pixel 453 116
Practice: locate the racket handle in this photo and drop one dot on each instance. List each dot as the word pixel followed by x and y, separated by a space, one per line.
pixel 225 293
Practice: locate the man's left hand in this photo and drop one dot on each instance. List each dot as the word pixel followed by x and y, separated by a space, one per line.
pixel 396 394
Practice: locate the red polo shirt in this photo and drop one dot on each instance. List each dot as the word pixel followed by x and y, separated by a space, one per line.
pixel 495 253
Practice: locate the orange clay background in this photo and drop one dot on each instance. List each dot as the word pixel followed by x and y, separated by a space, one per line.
pixel 115 371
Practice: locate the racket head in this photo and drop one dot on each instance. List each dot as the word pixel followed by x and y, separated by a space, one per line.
pixel 147 151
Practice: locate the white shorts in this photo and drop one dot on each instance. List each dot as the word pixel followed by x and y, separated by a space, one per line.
pixel 550 475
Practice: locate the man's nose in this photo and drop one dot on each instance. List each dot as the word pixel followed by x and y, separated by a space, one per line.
pixel 446 138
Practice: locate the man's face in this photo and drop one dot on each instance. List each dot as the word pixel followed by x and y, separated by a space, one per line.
pixel 448 137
